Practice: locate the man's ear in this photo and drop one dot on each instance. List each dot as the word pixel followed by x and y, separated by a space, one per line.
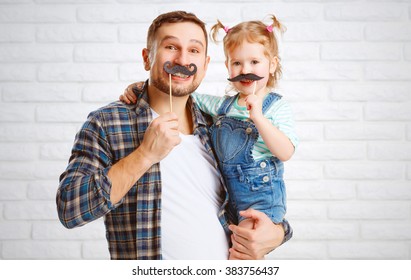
pixel 146 59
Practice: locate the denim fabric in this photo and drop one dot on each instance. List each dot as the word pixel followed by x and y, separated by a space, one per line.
pixel 251 184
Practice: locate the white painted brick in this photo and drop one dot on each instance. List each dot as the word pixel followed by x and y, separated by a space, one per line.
pixel 14 113
pixel 77 72
pixel 407 51
pixel 386 231
pixel 217 72
pixel 56 231
pixel 13 33
pixel 320 190
pixel 64 113
pixel 325 231
pixel 38 14
pixel 55 151
pixel 331 151
pixel 297 170
pixel 37 132
pixel 303 91
pixel 327 31
pixel 45 250
pixel 33 210
pixel 48 170
pixel 364 170
pixel 306 211
pixel 15 230
pixel 364 131
pixel 133 72
pixel 300 250
pixel 320 71
pixel 20 170
pixel 388 111
pixel 136 33
pixel 227 12
pixel 95 250
pixel 104 93
pixel 389 151
pixel 74 1
pixel 322 111
pixel 408 132
pixel 360 51
pixel 284 12
pixel 117 14
pixel 364 12
pixel 388 32
pixel 394 190
pixel 13 190
pixel 388 71
pixel 35 53
pixel 392 92
pixel 42 93
pixel 18 152
pixel 17 73
pixel 369 210
pixel 76 33
pixel 309 132
pixel 43 190
pixel 368 250
pixel 108 53
pixel 300 51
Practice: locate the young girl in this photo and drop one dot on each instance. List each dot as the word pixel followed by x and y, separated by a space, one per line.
pixel 253 132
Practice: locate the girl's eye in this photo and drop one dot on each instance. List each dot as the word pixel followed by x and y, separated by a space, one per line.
pixel 254 62
pixel 236 63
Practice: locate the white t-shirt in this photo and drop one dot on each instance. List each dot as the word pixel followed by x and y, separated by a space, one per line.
pixel 190 228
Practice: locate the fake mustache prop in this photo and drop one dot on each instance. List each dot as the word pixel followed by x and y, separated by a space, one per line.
pixel 180 69
pixel 244 77
pixel 174 70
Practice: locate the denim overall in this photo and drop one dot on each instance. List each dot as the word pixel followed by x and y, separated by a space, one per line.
pixel 251 184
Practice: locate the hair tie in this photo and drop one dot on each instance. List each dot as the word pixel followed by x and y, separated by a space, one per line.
pixel 226 29
pixel 269 28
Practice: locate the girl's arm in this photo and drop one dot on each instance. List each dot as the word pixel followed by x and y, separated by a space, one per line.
pixel 276 140
pixel 128 96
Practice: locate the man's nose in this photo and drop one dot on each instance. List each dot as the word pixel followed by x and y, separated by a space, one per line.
pixel 182 59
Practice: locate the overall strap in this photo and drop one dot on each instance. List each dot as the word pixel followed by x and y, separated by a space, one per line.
pixel 226 105
pixel 269 100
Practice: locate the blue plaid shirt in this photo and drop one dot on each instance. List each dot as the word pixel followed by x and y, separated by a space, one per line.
pixel 133 224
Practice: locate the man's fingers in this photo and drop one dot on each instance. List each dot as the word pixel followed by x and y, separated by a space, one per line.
pixel 252 214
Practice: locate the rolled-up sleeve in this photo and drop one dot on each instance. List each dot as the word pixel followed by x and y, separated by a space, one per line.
pixel 84 191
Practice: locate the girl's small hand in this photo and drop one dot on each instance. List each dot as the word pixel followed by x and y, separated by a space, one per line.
pixel 254 105
pixel 128 96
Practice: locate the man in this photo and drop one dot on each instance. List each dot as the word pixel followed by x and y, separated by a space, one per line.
pixel 156 182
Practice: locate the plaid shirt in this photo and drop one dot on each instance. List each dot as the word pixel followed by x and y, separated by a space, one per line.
pixel 133 224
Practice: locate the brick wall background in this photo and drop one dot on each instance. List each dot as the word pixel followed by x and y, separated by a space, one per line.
pixel 347 74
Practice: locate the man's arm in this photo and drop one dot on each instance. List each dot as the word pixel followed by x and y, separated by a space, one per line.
pixel 252 244
pixel 92 185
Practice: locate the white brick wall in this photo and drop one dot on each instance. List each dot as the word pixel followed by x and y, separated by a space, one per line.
pixel 347 74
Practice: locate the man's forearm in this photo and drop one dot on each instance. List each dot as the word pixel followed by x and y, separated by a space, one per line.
pixel 125 173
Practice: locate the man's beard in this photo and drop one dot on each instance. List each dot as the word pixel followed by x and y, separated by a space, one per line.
pixel 177 90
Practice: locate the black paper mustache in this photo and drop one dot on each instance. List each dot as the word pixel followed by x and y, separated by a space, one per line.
pixel 180 69
pixel 248 76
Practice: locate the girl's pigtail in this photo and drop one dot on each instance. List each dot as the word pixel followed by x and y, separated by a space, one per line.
pixel 214 30
pixel 276 24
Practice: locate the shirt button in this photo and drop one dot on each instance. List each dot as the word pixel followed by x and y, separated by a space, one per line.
pixel 263 164
pixel 248 130
pixel 266 179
